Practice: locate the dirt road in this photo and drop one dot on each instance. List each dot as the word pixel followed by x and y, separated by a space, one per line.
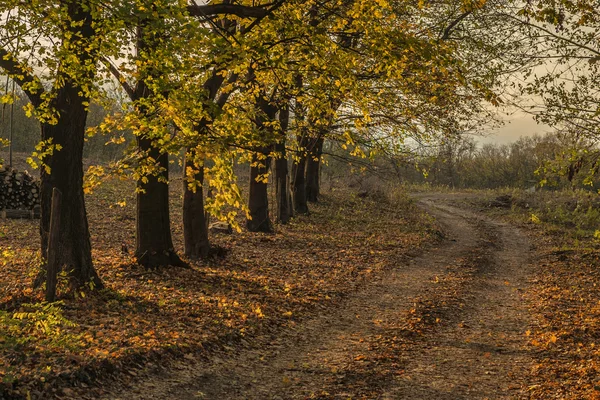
pixel 449 324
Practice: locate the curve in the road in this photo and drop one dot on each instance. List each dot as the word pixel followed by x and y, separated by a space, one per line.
pixel 449 324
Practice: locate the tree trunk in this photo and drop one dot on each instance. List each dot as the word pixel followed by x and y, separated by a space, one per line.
pixel 258 202
pixel 284 211
pixel 66 174
pixel 65 164
pixel 195 224
pixel 154 246
pixel 195 219
pixel 281 184
pixel 290 198
pixel 298 179
pixel 313 170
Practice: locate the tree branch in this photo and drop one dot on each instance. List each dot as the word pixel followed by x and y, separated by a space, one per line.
pixel 210 10
pixel 119 77
pixel 222 99
pixel 27 81
pixel 453 24
pixel 557 36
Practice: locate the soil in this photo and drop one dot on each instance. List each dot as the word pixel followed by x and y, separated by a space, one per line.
pixel 450 323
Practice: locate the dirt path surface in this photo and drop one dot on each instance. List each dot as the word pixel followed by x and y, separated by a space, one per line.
pixel 449 324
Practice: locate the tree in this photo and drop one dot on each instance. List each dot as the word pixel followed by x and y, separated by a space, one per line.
pixel 68 36
pixel 223 57
pixel 195 217
pixel 258 196
pixel 561 88
pixel 282 180
pixel 155 23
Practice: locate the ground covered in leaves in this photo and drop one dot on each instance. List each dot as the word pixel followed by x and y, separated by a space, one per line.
pixel 565 299
pixel 143 318
pixel 449 323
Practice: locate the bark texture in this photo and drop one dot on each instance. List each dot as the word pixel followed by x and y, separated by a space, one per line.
pixel 66 174
pixel 195 221
pixel 313 170
pixel 258 197
pixel 299 179
pixel 258 201
pixel 154 245
pixel 74 253
pixel 282 179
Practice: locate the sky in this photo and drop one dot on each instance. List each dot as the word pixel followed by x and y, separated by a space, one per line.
pixel 514 127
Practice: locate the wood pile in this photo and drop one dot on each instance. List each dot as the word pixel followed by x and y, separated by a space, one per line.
pixel 19 194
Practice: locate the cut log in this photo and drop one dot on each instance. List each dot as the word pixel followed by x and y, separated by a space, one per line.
pixel 18 191
pixel 19 214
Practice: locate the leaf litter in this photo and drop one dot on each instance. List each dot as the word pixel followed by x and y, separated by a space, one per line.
pixel 146 318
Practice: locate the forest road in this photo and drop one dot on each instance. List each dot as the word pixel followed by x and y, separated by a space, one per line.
pixel 448 324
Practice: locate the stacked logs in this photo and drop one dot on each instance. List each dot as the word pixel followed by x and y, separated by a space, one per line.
pixel 19 194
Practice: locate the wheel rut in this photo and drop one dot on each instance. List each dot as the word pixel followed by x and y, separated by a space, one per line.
pixel 484 353
pixel 448 324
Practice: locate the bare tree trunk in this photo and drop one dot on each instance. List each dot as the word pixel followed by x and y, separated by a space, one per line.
pixel 195 223
pixel 299 179
pixel 313 170
pixel 284 209
pixel 74 252
pixel 258 201
pixel 154 245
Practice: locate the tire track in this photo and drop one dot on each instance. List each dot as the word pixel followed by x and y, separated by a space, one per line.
pixel 448 324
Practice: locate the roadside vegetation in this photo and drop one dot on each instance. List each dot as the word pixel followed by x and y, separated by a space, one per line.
pixel 565 291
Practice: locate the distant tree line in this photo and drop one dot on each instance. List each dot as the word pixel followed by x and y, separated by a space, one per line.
pixel 551 161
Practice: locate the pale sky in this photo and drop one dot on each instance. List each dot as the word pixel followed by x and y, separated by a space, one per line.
pixel 513 129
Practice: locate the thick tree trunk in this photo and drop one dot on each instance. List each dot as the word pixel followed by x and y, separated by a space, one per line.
pixel 195 223
pixel 258 201
pixel 299 179
pixel 154 246
pixel 313 171
pixel 65 166
pixel 66 174
pixel 258 197
pixel 284 209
